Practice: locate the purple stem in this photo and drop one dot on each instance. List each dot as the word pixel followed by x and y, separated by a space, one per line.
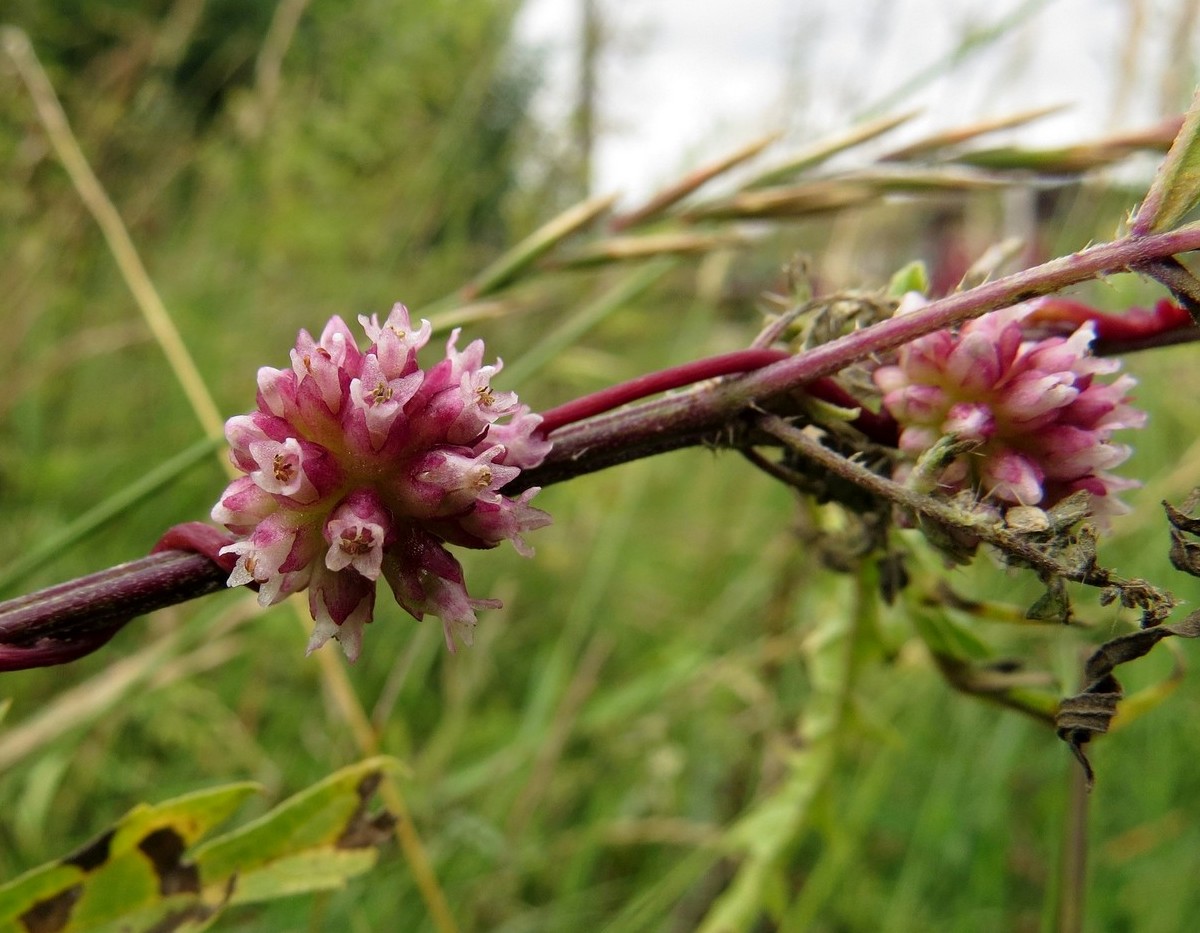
pixel 878 427
pixel 68 620
pixel 689 418
pixel 663 380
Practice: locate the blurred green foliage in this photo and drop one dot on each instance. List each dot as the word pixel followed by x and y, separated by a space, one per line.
pixel 677 658
pixel 390 175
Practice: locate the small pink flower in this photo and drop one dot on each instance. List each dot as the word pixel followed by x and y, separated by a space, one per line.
pixel 426 578
pixel 357 532
pixel 379 401
pixel 359 464
pixel 1039 414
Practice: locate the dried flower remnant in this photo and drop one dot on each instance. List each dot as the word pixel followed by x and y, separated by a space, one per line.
pixel 1035 415
pixel 359 464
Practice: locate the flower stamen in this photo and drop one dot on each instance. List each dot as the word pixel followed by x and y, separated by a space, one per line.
pixel 284 470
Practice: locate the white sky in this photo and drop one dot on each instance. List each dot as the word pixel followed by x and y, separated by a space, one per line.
pixel 685 80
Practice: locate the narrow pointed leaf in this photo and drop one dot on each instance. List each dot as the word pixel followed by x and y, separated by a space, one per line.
pixel 516 260
pixel 1176 188
pixel 931 145
pixel 691 182
pixel 579 322
pixel 889 180
pixel 633 248
pixel 791 201
pixel 1066 160
pixel 826 149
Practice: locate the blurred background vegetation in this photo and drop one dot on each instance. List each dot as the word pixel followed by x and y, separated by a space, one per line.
pixel 677 679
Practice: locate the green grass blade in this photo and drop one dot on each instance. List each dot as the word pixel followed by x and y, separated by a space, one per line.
pixel 516 260
pixel 1176 187
pixel 112 507
pixel 826 149
pixel 583 320
pixel 976 41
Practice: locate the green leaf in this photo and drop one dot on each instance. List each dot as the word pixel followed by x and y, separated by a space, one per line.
pixel 123 871
pixel 104 512
pixel 943 635
pixel 1062 160
pixel 650 246
pixel 142 874
pixel 1053 605
pixel 764 833
pixel 328 819
pixel 1176 188
pixel 946 139
pixel 515 261
pixel 657 205
pixel 577 323
pixel 799 200
pixel 825 149
pixel 913 277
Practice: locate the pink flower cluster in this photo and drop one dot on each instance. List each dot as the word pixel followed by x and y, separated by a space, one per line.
pixel 360 464
pixel 1040 417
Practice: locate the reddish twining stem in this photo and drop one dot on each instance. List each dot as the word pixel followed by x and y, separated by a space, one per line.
pixel 878 427
pixel 35 629
pixel 199 538
pixel 692 417
pixel 47 652
pixel 1135 329
pixel 676 377
pixel 67 621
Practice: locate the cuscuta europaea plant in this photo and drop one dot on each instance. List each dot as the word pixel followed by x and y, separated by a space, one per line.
pixel 723 407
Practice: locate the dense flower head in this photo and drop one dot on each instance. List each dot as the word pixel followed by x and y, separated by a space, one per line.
pixel 1039 417
pixel 359 464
